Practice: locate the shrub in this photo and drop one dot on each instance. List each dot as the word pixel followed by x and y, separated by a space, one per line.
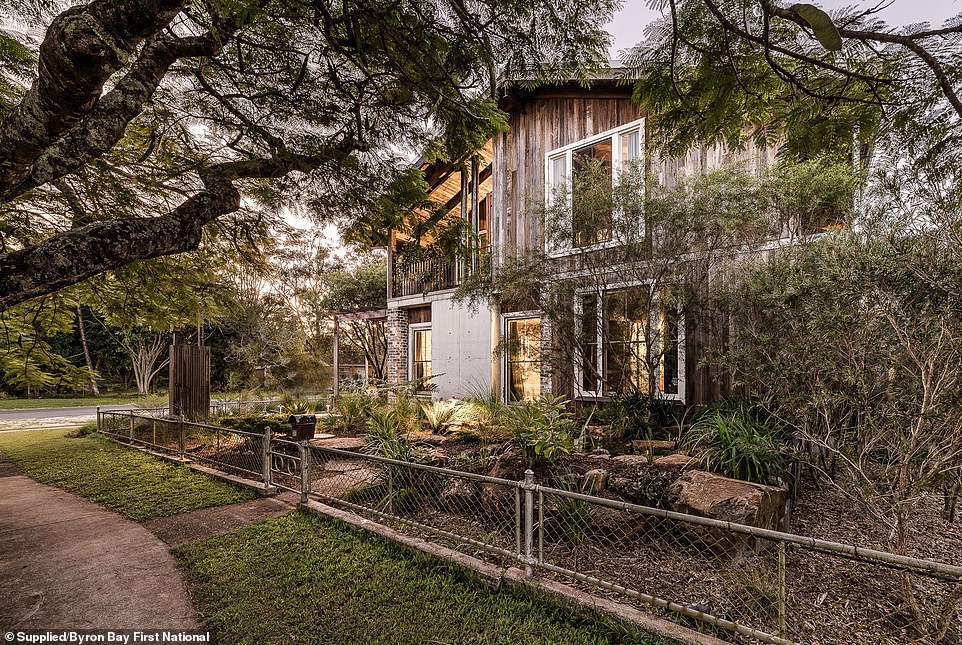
pixel 440 415
pixel 741 441
pixel 543 428
pixel 637 416
pixel 355 408
pixel 572 520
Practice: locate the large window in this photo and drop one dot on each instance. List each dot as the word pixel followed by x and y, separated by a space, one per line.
pixel 522 358
pixel 578 186
pixel 628 341
pixel 420 351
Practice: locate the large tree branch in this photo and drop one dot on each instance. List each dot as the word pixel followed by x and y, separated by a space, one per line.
pixel 84 46
pixel 101 129
pixel 80 253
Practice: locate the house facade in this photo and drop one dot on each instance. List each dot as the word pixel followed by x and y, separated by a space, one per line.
pixel 503 194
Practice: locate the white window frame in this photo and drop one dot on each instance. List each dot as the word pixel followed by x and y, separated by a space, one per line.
pixel 412 328
pixel 653 308
pixel 614 135
pixel 505 318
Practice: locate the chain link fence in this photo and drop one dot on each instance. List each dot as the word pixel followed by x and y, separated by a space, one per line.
pixel 742 583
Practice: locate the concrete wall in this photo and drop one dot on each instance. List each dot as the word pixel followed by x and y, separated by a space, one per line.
pixel 461 348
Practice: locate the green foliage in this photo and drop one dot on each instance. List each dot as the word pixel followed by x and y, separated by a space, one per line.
pixel 439 416
pixel 28 361
pixel 131 482
pixel 543 428
pixel 740 440
pixel 356 407
pixel 319 581
pixel 713 86
pixel 572 519
pixel 637 416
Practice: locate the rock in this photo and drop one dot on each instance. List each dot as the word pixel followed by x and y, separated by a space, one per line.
pixel 647 488
pixel 599 453
pixel 595 481
pixel 497 499
pixel 459 495
pixel 678 460
pixel 632 461
pixel 618 524
pixel 650 445
pixel 729 500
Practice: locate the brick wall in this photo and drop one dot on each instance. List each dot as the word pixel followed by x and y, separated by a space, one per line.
pixel 397 345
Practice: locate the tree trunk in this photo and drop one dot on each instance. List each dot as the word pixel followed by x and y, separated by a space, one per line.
pixel 83 342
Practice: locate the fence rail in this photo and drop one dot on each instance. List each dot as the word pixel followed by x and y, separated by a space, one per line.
pixel 749 583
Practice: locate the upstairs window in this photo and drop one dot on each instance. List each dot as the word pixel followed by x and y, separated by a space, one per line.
pixel 579 183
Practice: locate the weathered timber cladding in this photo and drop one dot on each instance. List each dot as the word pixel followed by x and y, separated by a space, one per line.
pixel 190 381
pixel 537 125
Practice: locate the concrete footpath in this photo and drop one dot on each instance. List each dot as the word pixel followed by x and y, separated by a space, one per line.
pixel 67 563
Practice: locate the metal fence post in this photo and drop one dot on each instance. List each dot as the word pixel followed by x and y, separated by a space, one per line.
pixel 528 522
pixel 98 418
pixel 131 426
pixel 181 440
pixel 266 458
pixel 305 470
pixel 782 627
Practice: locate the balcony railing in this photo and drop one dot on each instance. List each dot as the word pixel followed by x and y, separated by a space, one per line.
pixel 424 275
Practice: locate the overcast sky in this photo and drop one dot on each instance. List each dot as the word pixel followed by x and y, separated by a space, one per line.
pixel 629 24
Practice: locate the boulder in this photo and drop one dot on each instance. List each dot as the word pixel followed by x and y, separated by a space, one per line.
pixel 678 460
pixel 595 481
pixel 729 500
pixel 631 461
pixel 620 525
pixel 653 445
pixel 498 499
pixel 459 496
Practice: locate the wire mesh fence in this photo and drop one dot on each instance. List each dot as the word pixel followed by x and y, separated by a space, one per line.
pixel 479 514
pixel 743 583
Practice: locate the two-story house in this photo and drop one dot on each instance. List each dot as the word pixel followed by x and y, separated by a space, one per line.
pixel 501 194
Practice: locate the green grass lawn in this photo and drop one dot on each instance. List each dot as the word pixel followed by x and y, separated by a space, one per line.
pixel 308 580
pixel 134 483
pixel 154 400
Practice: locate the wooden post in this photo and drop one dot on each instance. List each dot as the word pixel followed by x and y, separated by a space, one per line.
pixel 474 213
pixel 98 418
pixel 131 426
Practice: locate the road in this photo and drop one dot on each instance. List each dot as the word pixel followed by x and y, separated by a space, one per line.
pixel 44 413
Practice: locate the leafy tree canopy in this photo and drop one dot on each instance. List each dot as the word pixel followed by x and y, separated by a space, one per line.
pixel 138 129
pixel 713 69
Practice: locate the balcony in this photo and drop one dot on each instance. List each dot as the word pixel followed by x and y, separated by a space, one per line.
pixel 415 277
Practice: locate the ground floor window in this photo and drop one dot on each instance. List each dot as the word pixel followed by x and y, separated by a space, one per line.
pixel 628 340
pixel 420 352
pixel 522 353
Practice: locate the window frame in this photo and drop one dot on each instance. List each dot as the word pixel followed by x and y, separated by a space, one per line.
pixel 654 307
pixel 617 163
pixel 506 318
pixel 412 330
